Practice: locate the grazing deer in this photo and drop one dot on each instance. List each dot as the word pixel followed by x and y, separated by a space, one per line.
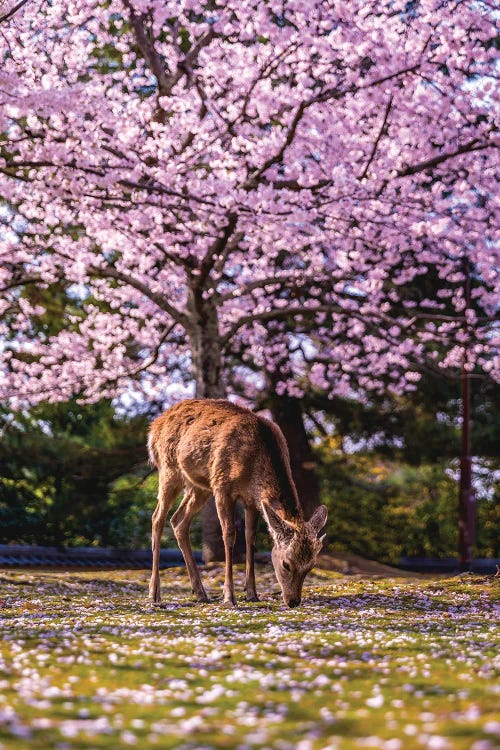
pixel 215 447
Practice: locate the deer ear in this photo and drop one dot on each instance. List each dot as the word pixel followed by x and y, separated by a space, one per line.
pixel 281 530
pixel 318 519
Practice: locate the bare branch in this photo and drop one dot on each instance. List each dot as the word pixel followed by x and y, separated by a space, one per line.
pixel 382 132
pixel 221 246
pixel 276 158
pixel 277 314
pixel 12 11
pixel 166 79
pixel 327 95
pixel 160 301
pixel 471 146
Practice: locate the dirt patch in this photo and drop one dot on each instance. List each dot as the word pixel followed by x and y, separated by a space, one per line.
pixel 348 563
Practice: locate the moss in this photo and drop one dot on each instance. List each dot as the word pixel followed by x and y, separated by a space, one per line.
pixel 86 662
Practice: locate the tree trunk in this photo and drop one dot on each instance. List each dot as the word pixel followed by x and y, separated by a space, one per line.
pixel 205 348
pixel 207 369
pixel 287 413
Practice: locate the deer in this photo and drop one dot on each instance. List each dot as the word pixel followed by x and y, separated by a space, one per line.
pixel 215 447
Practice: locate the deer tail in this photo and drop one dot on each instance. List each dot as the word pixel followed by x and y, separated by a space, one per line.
pixel 153 456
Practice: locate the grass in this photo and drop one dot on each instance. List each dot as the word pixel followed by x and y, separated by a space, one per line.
pixel 86 662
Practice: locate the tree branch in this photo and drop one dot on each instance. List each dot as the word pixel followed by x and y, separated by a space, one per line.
pixel 221 246
pixel 297 282
pixel 110 273
pixel 328 94
pixel 474 145
pixel 276 314
pixel 18 281
pixel 12 11
pixel 382 132
pixel 166 79
pixel 159 300
pixel 276 158
pixel 152 186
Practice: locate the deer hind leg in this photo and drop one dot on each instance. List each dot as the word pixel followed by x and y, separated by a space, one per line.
pixel 251 519
pixel 168 488
pixel 194 498
pixel 226 507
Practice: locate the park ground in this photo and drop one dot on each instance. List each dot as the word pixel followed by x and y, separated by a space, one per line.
pixel 366 662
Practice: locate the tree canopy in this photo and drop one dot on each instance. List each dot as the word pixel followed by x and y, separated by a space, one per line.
pixel 193 171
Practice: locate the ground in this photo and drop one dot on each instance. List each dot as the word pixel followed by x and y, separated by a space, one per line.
pixel 366 662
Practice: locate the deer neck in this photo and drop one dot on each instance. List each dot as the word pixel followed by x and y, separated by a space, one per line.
pixel 287 506
pixel 279 488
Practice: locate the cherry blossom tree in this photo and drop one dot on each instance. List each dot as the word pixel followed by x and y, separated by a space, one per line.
pixel 193 171
pixel 179 166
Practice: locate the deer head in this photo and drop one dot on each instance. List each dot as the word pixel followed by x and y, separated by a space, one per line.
pixel 296 547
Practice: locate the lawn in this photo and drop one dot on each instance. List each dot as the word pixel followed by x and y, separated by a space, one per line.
pixel 87 662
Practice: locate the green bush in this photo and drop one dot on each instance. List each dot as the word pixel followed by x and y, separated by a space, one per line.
pixel 384 509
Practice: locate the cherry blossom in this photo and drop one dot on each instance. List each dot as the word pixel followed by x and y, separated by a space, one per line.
pixel 190 174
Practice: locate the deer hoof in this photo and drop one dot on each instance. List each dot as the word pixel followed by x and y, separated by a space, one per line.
pixel 252 598
pixel 202 598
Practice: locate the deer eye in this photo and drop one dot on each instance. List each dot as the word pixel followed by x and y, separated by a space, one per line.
pixel 286 566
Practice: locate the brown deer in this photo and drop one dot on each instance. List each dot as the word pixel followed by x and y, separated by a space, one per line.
pixel 215 447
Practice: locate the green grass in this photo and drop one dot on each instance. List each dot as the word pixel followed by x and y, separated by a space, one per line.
pixel 86 662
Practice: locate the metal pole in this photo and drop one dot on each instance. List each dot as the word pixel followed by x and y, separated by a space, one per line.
pixel 466 500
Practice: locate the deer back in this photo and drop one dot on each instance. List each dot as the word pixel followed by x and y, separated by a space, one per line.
pixel 216 444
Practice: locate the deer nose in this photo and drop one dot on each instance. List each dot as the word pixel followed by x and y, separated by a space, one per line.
pixel 294 602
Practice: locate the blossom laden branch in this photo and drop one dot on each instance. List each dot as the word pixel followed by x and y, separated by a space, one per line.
pixel 166 79
pixel 109 272
pixel 467 148
pixel 12 11
pixel 381 133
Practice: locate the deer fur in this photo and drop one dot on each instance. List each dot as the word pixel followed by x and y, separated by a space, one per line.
pixel 215 447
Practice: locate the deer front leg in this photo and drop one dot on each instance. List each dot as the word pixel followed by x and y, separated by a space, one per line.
pixel 193 500
pixel 251 519
pixel 225 510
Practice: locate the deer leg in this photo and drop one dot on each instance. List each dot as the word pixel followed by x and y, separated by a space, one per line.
pixel 251 519
pixel 193 500
pixel 168 489
pixel 225 510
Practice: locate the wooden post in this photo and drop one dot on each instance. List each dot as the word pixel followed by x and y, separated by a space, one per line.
pixel 466 500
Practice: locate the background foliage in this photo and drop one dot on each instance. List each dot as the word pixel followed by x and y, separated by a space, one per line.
pixel 77 474
pixel 63 472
